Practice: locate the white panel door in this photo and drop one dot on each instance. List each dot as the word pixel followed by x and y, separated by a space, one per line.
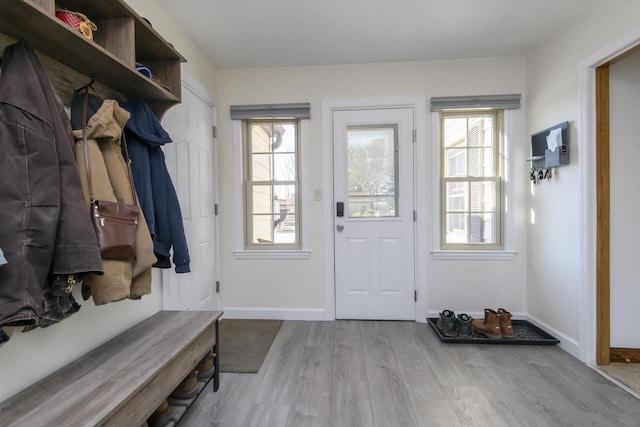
pixel 373 212
pixel 190 160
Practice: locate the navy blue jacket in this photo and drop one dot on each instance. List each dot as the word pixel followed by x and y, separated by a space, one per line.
pixel 157 195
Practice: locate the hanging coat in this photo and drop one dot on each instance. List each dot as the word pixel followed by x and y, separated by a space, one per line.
pixel 158 198
pixel 44 225
pixel 110 180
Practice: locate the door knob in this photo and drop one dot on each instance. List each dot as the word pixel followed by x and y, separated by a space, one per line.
pixel 339 227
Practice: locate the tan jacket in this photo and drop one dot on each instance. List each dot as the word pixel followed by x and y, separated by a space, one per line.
pixel 110 181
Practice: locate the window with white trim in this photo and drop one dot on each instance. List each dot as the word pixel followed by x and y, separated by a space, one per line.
pixel 272 183
pixel 471 179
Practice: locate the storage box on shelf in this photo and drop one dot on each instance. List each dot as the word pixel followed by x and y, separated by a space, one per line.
pixel 122 39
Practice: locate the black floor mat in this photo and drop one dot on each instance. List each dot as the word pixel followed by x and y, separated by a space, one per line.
pixel 525 333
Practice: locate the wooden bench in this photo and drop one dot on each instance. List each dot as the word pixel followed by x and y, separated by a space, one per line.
pixel 123 381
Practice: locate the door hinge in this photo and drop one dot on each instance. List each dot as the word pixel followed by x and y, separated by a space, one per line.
pixel 217 286
pixel 215 131
pixel 215 209
pixel 414 135
pixel 415 215
pixel 415 296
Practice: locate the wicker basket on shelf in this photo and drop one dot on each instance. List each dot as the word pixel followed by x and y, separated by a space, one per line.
pixel 78 21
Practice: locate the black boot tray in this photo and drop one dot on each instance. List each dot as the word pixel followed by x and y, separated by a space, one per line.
pixel 525 333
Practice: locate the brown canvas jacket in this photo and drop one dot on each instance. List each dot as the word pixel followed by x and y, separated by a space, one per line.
pixel 44 225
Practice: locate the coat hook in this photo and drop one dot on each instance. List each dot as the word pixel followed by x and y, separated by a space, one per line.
pixel 88 85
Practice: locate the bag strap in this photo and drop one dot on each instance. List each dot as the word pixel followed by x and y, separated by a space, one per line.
pixel 85 144
pixel 127 159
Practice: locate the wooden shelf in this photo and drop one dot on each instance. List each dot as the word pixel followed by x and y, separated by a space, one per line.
pixel 149 44
pixel 71 59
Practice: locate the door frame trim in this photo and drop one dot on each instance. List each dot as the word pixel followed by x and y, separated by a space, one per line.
pixel 603 226
pixel 589 339
pixel 421 186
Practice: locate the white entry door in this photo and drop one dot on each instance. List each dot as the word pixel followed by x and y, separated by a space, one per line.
pixel 373 213
pixel 190 160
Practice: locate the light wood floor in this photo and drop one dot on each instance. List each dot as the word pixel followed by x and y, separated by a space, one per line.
pixel 628 373
pixel 388 374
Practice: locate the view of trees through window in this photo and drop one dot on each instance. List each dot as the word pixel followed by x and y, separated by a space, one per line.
pixel 371 163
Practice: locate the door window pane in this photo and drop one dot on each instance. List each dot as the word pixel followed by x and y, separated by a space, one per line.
pixel 372 176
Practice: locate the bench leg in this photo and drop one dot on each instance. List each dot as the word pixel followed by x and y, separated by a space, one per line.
pixel 216 359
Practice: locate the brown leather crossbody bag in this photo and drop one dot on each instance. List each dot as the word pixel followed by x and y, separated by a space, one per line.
pixel 115 223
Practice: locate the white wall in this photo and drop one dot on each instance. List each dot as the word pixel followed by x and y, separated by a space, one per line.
pixel 555 266
pixel 625 201
pixel 198 65
pixel 28 357
pixel 298 286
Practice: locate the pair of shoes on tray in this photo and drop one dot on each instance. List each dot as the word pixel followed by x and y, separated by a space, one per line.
pixel 452 326
pixel 495 324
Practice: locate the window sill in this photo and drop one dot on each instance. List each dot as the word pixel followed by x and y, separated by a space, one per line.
pixel 474 255
pixel 272 254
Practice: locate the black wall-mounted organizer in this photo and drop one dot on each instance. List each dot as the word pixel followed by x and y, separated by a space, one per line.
pixel 549 149
pixel 541 156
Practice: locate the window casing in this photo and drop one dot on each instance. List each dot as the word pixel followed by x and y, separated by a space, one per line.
pixel 272 183
pixel 471 179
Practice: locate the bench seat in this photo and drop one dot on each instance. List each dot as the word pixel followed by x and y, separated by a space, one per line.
pixel 123 381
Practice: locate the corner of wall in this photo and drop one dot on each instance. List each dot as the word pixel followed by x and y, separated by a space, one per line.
pixel 567 343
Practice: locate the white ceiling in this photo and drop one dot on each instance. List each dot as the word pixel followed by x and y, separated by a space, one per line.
pixel 275 33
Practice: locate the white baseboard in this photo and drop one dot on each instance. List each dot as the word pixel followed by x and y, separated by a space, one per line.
pixel 567 343
pixel 273 313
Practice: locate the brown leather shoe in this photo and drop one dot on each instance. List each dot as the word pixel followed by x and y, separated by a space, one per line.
pixel 205 368
pixel 161 416
pixel 490 326
pixel 187 388
pixel 505 323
